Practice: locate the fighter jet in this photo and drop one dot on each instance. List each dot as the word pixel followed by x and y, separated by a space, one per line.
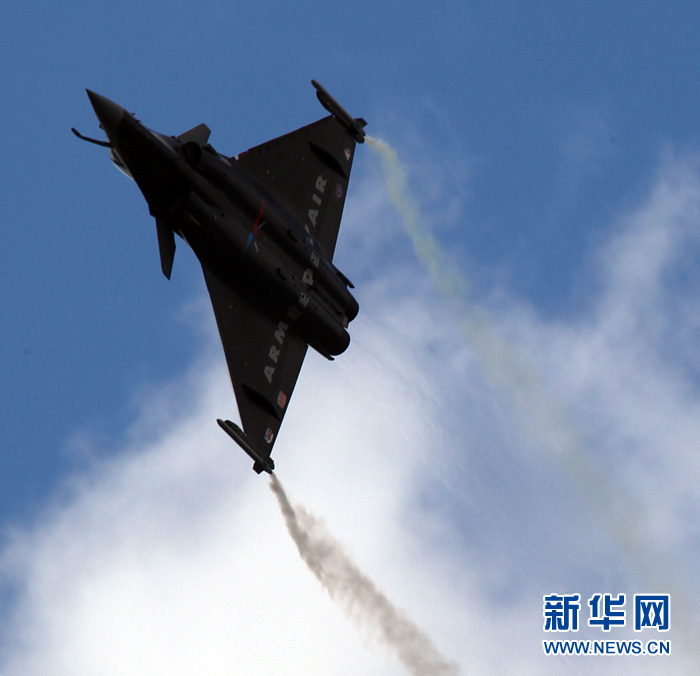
pixel 264 225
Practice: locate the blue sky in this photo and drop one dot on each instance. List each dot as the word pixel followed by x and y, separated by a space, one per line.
pixel 494 439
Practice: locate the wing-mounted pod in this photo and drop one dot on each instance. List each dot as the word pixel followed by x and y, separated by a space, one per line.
pixel 237 434
pixel 355 125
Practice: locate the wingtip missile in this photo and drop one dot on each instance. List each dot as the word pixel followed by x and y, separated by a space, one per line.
pixel 260 464
pixel 355 125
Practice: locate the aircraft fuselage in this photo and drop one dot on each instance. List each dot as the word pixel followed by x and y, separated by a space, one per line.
pixel 264 226
pixel 209 201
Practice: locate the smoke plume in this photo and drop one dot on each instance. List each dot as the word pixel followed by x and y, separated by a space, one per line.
pixel 502 364
pixel 506 366
pixel 355 592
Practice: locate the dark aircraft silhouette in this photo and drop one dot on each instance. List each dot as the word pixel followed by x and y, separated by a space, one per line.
pixel 263 225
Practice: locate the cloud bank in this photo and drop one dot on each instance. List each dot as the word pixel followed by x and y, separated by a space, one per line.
pixel 170 556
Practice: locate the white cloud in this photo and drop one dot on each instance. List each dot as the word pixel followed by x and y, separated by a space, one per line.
pixel 171 557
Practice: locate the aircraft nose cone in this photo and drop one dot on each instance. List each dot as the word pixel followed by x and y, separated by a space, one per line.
pixel 108 113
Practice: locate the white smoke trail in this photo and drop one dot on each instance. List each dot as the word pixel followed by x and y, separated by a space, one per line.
pixel 503 363
pixel 543 416
pixel 499 360
pixel 355 592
